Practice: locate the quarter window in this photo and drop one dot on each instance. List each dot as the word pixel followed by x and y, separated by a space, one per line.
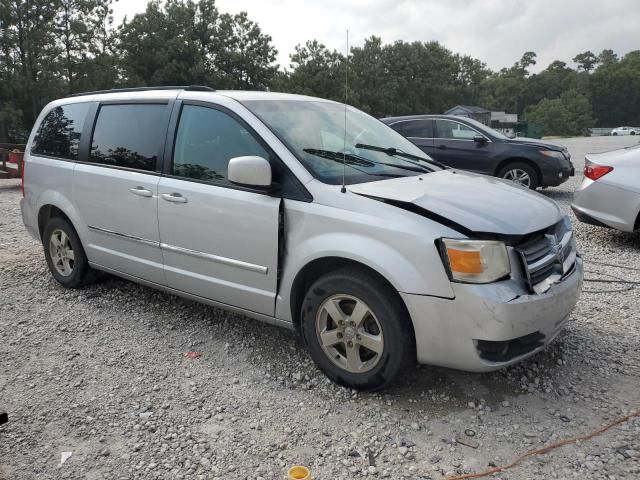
pixel 60 131
pixel 414 128
pixel 454 130
pixel 128 136
pixel 205 142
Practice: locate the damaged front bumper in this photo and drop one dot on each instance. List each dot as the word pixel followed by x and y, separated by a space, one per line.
pixel 486 327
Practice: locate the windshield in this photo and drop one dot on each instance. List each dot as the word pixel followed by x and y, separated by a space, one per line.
pixel 482 126
pixel 314 131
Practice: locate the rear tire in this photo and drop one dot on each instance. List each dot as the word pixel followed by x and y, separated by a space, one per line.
pixel 633 133
pixel 520 173
pixel 615 134
pixel 65 256
pixel 356 329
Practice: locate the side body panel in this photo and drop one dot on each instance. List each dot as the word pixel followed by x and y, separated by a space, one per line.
pixel 48 181
pixel 122 227
pixel 222 244
pixel 397 244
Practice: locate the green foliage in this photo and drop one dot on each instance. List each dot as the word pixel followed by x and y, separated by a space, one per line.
pixel 186 42
pixel 51 48
pixel 392 79
pixel 568 115
pixel 615 91
pixel 314 70
pixel 586 61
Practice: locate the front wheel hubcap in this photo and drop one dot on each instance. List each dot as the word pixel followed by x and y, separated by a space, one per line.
pixel 518 176
pixel 349 333
pixel 61 251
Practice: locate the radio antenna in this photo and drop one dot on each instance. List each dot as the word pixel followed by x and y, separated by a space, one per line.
pixel 346 98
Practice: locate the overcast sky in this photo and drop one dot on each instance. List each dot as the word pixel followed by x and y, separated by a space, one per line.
pixel 495 31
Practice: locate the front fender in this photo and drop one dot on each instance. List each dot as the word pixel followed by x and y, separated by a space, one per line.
pixel 403 253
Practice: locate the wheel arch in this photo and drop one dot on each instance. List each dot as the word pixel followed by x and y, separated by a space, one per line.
pixel 46 213
pixel 318 267
pixel 51 208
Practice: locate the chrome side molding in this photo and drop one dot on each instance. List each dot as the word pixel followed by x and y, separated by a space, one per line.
pixel 186 251
pixel 126 237
pixel 216 258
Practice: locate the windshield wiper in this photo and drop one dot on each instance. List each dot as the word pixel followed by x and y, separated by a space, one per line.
pixel 355 160
pixel 391 151
pixel 337 156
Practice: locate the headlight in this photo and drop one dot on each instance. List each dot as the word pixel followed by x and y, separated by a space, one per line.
pixel 476 261
pixel 552 153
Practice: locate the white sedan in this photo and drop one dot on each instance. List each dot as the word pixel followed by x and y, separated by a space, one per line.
pixel 609 195
pixel 625 131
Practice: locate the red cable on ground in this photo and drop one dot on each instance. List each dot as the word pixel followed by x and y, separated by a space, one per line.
pixel 540 451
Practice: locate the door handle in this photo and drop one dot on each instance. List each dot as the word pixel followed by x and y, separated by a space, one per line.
pixel 173 197
pixel 141 192
pixel 442 147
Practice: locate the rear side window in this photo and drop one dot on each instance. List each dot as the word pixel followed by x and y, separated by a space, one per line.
pixel 60 131
pixel 128 136
pixel 205 142
pixel 414 128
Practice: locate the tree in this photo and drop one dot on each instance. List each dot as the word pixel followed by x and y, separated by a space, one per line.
pixel 528 60
pixel 615 91
pixel 72 26
pixel 507 89
pixel 247 57
pixel 568 115
pixel 586 61
pixel 29 59
pixel 607 58
pixel 315 70
pixel 550 83
pixel 185 42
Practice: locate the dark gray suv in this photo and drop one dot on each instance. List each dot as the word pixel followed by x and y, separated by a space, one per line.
pixel 466 144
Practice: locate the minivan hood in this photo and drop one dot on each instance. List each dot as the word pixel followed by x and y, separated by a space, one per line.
pixel 534 142
pixel 478 203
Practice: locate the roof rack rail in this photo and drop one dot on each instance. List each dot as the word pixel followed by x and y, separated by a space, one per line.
pixel 189 88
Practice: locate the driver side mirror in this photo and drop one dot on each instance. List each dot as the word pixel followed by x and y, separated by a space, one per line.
pixel 480 139
pixel 250 171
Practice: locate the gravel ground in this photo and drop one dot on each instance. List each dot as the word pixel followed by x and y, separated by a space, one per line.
pixel 101 373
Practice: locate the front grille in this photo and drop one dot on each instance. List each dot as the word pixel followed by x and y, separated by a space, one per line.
pixel 548 256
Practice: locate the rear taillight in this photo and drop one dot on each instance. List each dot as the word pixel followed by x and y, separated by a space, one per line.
pixel 594 172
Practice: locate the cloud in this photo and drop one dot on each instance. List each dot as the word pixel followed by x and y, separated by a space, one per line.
pixel 497 32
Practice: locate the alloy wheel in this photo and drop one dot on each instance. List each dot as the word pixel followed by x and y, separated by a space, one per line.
pixel 349 333
pixel 61 252
pixel 518 176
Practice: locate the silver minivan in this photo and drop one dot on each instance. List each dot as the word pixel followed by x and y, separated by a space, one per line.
pixel 265 204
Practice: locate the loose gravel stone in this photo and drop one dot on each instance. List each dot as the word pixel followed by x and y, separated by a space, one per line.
pixel 101 372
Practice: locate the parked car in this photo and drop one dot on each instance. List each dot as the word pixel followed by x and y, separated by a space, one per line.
pixel 250 201
pixel 625 131
pixel 609 195
pixel 467 144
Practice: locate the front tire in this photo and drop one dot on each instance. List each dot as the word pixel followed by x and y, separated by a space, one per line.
pixel 65 256
pixel 520 173
pixel 357 329
pixel 633 133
